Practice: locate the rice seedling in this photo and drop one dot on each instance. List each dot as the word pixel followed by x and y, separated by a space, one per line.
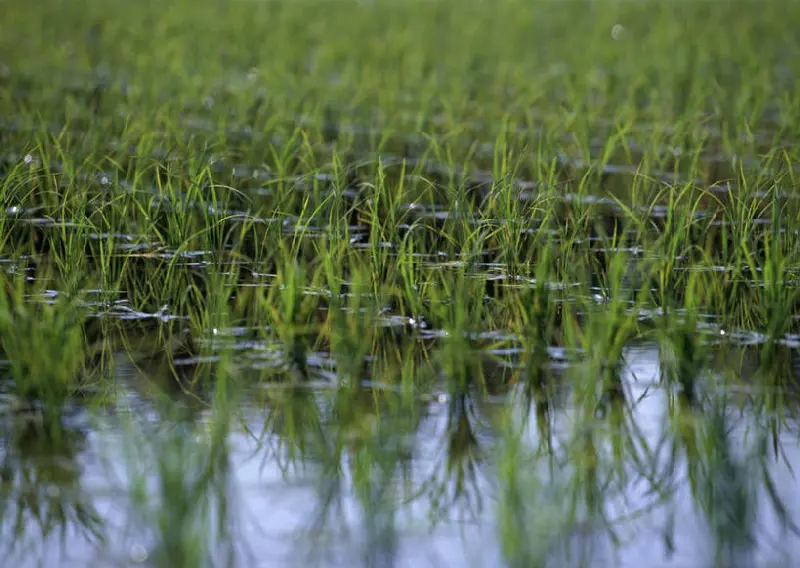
pixel 386 226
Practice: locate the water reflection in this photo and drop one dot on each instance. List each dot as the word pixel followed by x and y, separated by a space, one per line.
pixel 669 484
pixel 377 477
pixel 43 498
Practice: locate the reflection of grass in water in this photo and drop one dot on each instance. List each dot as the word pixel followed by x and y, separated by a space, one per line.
pixel 730 474
pixel 41 492
pixel 541 505
pixel 727 493
pixel 363 456
pixel 180 490
pixel 556 493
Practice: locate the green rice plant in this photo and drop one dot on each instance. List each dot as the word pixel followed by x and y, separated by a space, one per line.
pixel 459 308
pixel 773 293
pixel 675 242
pixel 608 329
pixel 683 352
pixel 683 356
pixel 15 188
pixel 353 328
pixel 538 315
pixel 411 275
pixel 290 311
pixel 46 348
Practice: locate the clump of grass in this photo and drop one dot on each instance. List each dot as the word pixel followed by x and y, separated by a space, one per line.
pixel 684 354
pixel 43 498
pixel 44 343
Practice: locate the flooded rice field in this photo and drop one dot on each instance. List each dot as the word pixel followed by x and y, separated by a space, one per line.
pixel 396 285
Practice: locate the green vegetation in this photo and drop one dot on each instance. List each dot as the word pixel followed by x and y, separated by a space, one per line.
pixel 318 225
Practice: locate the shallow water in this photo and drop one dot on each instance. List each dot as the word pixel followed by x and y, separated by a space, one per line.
pixel 275 513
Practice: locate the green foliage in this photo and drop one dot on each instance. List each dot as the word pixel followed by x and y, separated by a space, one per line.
pixel 352 211
pixel 43 339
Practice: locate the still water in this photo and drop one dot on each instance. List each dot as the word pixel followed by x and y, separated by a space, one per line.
pixel 455 489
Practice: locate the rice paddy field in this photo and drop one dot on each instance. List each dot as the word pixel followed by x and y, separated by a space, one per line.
pixel 399 283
